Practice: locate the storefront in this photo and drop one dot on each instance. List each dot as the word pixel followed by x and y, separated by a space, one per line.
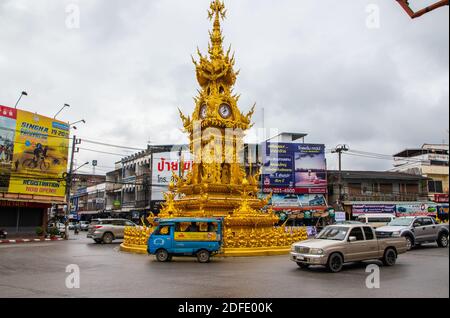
pixel 23 217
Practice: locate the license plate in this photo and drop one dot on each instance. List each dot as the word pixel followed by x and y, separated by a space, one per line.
pixel 300 258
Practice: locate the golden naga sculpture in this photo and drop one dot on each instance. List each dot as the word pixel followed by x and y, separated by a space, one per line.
pixel 218 184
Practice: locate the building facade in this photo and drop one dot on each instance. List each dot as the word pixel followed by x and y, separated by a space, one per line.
pixel 377 191
pixel 431 161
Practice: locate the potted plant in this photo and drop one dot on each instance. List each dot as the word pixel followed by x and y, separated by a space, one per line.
pixel 40 231
pixel 53 232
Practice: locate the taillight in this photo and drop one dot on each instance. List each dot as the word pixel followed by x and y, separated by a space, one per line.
pixel 98 226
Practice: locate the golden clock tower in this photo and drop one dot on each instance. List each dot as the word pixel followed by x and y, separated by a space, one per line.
pixel 218 185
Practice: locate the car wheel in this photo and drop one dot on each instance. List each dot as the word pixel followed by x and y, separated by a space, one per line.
pixel 162 255
pixel 390 257
pixel 203 256
pixel 409 243
pixel 442 240
pixel 302 265
pixel 335 263
pixel 108 238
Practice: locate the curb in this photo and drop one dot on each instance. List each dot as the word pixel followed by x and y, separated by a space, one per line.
pixel 18 241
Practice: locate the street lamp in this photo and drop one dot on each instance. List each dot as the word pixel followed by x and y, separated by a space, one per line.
pixel 64 106
pixel 80 121
pixel 84 164
pixel 75 127
pixel 20 97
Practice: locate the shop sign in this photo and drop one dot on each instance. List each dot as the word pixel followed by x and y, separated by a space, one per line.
pixel 359 209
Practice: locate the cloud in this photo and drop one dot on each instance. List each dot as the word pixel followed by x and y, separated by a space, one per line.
pixel 312 66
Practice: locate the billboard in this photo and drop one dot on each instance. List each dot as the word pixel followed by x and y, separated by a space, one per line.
pixel 359 209
pixel 298 202
pixel 294 168
pixel 399 209
pixel 33 153
pixel 416 209
pixel 164 164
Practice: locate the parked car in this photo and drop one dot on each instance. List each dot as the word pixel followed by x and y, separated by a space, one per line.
pixel 416 230
pixel 3 234
pixel 339 244
pixel 107 230
pixel 61 227
pixel 376 220
pixel 84 225
pixel 72 225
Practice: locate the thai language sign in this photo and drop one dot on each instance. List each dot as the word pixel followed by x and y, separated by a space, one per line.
pixel 33 153
pixel 399 209
pixel 294 168
pixel 196 236
pixel 165 166
pixel 359 209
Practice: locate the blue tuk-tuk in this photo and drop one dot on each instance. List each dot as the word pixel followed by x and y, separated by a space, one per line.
pixel 200 237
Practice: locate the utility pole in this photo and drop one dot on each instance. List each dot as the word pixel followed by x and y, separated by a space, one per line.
pixel 69 178
pixel 339 150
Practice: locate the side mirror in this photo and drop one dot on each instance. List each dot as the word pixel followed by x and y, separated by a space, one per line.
pixel 352 239
pixel 416 224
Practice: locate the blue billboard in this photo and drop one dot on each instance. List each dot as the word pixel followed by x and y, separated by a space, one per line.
pixel 294 168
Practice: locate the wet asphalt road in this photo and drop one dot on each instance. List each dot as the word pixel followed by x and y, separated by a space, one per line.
pixel 38 270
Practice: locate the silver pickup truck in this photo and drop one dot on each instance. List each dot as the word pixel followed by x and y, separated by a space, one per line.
pixel 339 244
pixel 416 230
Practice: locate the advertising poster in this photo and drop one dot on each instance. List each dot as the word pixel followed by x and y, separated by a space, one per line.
pixel 417 209
pixel 163 165
pixel 7 133
pixel 298 202
pixel 359 209
pixel 33 153
pixel 294 168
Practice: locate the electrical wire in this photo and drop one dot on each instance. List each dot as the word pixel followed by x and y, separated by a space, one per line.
pixel 103 152
pixel 111 145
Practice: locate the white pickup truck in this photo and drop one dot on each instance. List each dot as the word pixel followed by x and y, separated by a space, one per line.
pixel 416 230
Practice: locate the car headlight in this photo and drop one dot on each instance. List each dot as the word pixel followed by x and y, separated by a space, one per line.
pixel 316 251
pixel 292 248
pixel 396 233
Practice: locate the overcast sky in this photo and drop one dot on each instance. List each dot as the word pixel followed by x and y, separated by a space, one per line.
pixel 314 66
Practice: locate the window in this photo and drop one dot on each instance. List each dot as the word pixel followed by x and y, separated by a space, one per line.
pixel 418 222
pixel 358 233
pixel 129 223
pixel 386 188
pixel 435 186
pixel 427 221
pixel 163 230
pixel 412 188
pixel 354 188
pixel 368 232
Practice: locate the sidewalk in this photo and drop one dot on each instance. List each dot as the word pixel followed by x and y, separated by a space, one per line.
pixel 28 240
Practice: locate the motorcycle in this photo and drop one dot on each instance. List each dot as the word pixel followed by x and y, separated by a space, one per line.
pixel 3 234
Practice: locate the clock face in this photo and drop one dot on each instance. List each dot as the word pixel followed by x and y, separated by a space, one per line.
pixel 225 111
pixel 203 111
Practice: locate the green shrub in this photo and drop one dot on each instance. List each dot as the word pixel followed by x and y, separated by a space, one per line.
pixel 54 231
pixel 39 231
